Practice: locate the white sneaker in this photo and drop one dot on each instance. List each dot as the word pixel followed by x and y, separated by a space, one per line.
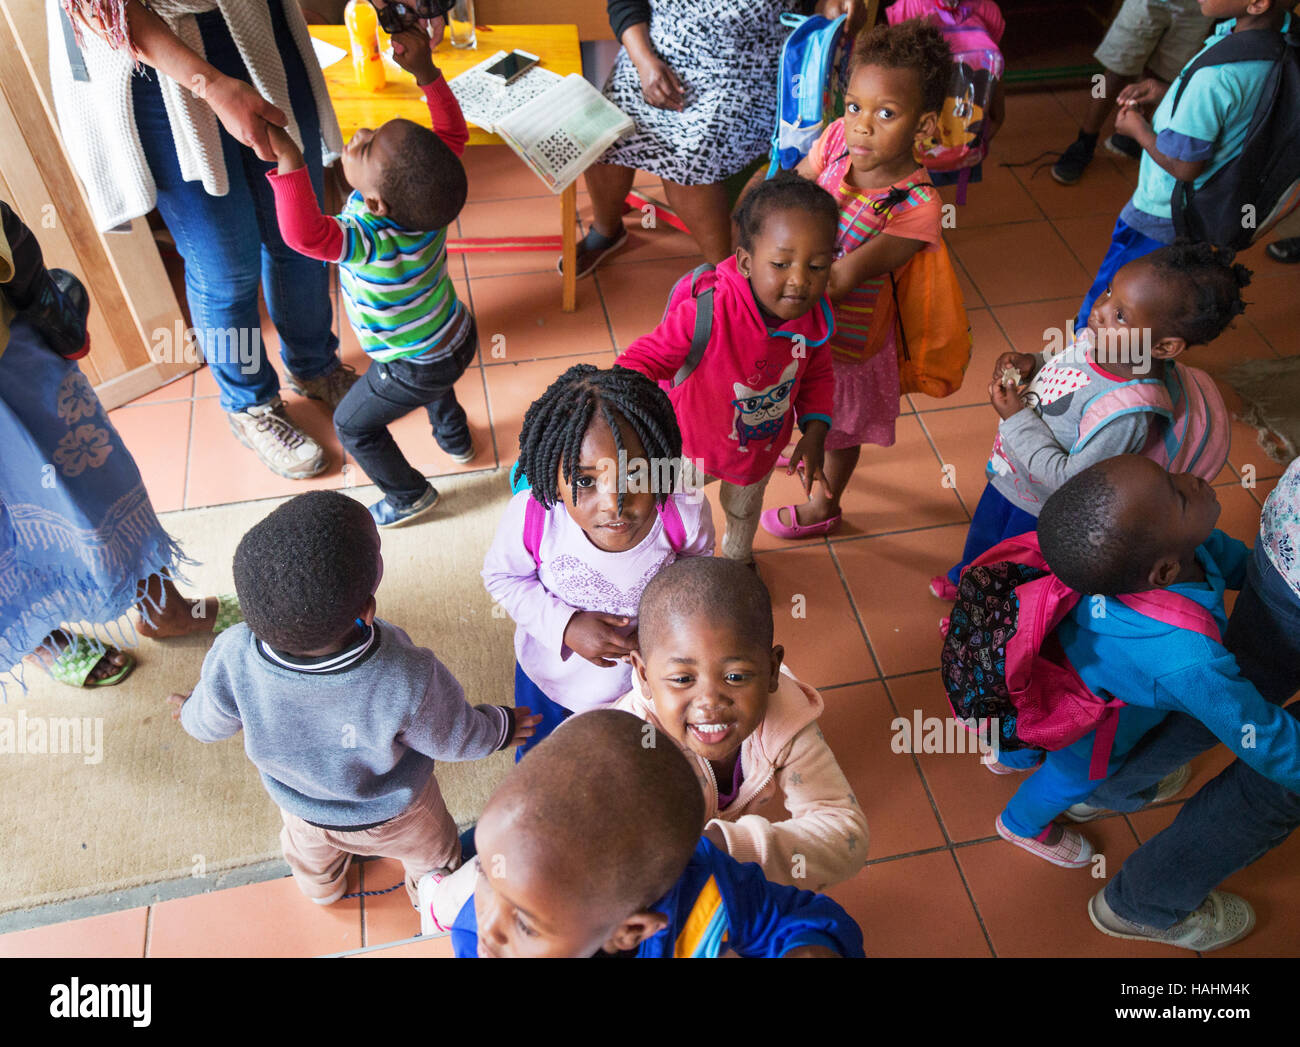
pixel 1220 920
pixel 1168 787
pixel 283 448
pixel 425 888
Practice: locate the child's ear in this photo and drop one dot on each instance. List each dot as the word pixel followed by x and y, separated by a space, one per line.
pixel 368 615
pixel 638 665
pixel 1168 348
pixel 778 655
pixel 376 206
pixel 1165 572
pixel 744 262
pixel 928 127
pixel 634 930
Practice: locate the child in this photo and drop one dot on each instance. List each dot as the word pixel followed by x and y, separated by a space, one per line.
pixel 390 243
pixel 341 713
pixel 1160 35
pixel 1204 134
pixel 618 869
pixel 708 676
pixel 1127 526
pixel 766 353
pixel 888 211
pixel 1176 297
pixel 600 450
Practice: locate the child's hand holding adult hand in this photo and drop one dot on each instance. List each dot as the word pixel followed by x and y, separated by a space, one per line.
pixel 243 112
pixel 176 701
pixel 413 51
pixel 525 726
pixel 596 637
pixel 1006 399
pixel 286 152
pixel 659 84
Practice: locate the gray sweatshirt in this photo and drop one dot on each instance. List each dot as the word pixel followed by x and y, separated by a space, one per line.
pixel 344 741
pixel 1032 451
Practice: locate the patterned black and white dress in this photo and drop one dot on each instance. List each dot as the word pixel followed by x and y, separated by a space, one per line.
pixel 726 54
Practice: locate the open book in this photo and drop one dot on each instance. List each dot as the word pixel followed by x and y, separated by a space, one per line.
pixel 485 99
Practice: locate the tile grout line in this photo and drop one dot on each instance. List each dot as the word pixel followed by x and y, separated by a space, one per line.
pixel 148 930
pixel 857 615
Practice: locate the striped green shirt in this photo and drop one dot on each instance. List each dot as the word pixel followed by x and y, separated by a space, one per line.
pixel 396 288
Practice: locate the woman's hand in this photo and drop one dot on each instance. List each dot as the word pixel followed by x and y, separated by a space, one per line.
pixel 243 112
pixel 659 84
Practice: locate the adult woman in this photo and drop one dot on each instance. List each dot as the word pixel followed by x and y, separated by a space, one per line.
pixel 79 540
pixel 700 81
pixel 190 135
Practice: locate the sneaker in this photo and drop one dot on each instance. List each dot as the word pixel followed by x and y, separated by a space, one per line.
pixel 343 889
pixel 593 249
pixel 942 588
pixel 1168 787
pixel 425 888
pixel 328 388
pixel 386 514
pixel 1220 920
pixel 284 449
pixel 465 449
pixel 1123 145
pixel 1069 169
pixel 1287 251
pixel 1070 851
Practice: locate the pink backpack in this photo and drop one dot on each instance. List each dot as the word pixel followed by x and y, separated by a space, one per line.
pixel 535 525
pixel 1002 660
pixel 1191 431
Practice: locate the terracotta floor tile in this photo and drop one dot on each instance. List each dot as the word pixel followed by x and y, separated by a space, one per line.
pixel 494 172
pixel 518 320
pixel 437 948
pixel 223 470
pixel 889 578
pixel 969 292
pixel 1075 101
pixel 1032 908
pixel 1089 239
pixel 819 632
pixel 1036 115
pixel 1235 345
pixel 534 216
pixel 968 796
pixel 236 921
pixel 898 920
pixel 114 935
pixel 181 388
pixel 857 725
pixel 1031 327
pixel 987 344
pixel 1240 513
pixel 1103 190
pixel 1273 315
pixel 998 198
pixel 158 437
pixel 512 387
pixel 649 236
pixel 1045 266
pixel 964 438
pixel 386 917
pixel 635 295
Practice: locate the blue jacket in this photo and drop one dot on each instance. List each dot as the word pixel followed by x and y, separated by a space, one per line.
pixel 720 904
pixel 1154 666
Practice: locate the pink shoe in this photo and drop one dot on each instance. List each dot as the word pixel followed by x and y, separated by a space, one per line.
pixel 1071 850
pixel 794 530
pixel 942 587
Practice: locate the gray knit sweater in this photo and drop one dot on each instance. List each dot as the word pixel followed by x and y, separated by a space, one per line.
pixel 342 746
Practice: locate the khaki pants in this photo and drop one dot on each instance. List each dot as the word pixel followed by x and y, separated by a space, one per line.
pixel 741 505
pixel 423 838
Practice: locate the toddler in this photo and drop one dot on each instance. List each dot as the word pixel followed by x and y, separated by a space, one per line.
pixel 1157 306
pixel 766 353
pixel 342 714
pixel 1126 526
pixel 390 243
pixel 601 452
pixel 618 869
pixel 708 676
pixel 888 211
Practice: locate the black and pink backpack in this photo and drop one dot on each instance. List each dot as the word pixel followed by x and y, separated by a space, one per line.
pixel 1003 662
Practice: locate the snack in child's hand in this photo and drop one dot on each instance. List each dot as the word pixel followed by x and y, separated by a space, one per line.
pixel 1010 377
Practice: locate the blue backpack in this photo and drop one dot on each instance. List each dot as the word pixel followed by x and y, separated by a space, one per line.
pixel 808 58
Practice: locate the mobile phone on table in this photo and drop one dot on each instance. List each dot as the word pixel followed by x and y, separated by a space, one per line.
pixel 513 66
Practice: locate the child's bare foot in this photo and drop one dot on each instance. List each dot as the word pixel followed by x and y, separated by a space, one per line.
pixel 66 657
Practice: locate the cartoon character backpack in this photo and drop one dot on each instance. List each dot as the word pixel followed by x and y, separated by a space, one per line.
pixel 1002 660
pixel 811 58
pixel 977 67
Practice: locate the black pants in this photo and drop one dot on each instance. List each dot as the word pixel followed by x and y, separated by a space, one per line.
pixel 389 391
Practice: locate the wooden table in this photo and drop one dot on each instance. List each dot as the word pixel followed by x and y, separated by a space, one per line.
pixel 556 45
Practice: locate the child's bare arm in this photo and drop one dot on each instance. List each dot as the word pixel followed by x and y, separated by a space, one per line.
pixel 883 254
pixel 1131 122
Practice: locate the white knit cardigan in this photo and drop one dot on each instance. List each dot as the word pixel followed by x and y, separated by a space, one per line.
pixel 98 123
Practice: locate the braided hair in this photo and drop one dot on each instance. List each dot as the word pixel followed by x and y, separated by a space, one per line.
pixel 557 422
pixel 1212 285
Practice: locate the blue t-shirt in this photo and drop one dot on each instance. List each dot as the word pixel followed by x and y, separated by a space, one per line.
pixel 1210 124
pixel 718 904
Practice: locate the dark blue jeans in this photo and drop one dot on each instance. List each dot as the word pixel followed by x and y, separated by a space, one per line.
pixel 529 694
pixel 231 244
pixel 1238 816
pixel 1126 244
pixel 994 521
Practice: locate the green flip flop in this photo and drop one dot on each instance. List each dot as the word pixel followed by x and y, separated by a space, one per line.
pixel 228 613
pixel 78 659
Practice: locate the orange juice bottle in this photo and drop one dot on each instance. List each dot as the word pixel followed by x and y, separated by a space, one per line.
pixel 363 27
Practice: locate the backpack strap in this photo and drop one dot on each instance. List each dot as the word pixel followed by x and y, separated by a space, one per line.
pixel 1138 395
pixel 534 525
pixel 1174 609
pixel 703 326
pixel 674 526
pixel 1103 742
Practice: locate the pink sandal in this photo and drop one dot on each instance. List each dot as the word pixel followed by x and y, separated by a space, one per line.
pixel 794 530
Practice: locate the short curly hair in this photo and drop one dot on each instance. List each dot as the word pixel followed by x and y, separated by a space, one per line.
pixel 305 572
pixel 425 187
pixel 1211 284
pixel 914 44
pixel 786 191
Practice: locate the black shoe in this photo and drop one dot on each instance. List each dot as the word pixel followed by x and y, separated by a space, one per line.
pixel 1284 250
pixel 1069 169
pixel 593 249
pixel 1123 145
pixel 60 312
